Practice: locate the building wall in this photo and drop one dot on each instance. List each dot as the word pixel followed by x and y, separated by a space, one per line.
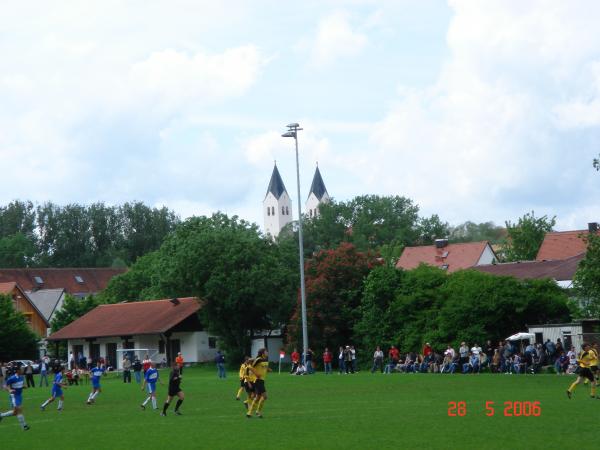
pixel 553 332
pixel 34 319
pixel 312 204
pixel 272 344
pixel 487 257
pixel 275 222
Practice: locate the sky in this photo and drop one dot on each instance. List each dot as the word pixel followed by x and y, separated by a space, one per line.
pixel 478 111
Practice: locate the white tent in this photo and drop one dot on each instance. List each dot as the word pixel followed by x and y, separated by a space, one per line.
pixel 521 336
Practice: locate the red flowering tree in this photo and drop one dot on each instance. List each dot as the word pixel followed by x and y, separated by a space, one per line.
pixel 334 286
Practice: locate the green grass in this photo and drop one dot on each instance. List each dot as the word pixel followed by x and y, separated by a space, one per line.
pixel 361 411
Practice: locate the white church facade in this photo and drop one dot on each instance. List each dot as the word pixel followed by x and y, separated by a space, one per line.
pixel 277 204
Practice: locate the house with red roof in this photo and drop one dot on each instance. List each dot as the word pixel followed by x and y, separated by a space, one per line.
pixel 450 257
pixel 162 327
pixel 565 244
pixel 22 303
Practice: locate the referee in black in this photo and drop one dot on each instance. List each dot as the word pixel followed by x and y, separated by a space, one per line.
pixel 174 391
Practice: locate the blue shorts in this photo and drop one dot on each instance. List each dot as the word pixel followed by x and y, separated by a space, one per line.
pixel 57 392
pixel 16 400
pixel 151 388
pixel 96 384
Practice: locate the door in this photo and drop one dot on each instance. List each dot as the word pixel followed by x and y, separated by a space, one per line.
pixel 175 348
pixel 77 352
pixel 111 355
pixel 94 353
pixel 130 355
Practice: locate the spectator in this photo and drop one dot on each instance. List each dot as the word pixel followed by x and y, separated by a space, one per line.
pixel 29 375
pixel 300 369
pixel 446 362
pixel 295 360
pixel 348 360
pixel 463 351
pixel 394 355
pixel 308 361
pixel 561 364
pixel 44 371
pixel 427 350
pixel 179 362
pixel 137 370
pixel 516 363
pixel 71 361
pixel 327 357
pixel 220 361
pixel 377 360
pixel 476 350
pixel 559 346
pixel 550 349
pixel 496 361
pixel 82 362
pixel 353 352
pixel 506 358
pixel 126 370
pixel 438 360
pixel 530 348
pixel 341 363
pixel 572 356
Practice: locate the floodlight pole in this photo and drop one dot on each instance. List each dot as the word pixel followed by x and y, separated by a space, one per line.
pixel 293 132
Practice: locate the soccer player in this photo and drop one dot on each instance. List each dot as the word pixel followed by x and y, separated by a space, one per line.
pixel 174 391
pixel 584 359
pixel 259 367
pixel 14 386
pixel 242 378
pixel 96 373
pixel 56 391
pixel 150 378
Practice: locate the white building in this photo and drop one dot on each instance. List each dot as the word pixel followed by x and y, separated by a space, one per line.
pixel 318 194
pixel 570 334
pixel 277 205
pixel 164 326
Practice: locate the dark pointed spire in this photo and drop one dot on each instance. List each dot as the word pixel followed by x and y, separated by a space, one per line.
pixel 276 186
pixel 318 187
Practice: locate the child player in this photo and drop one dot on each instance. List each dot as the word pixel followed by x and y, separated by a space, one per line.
pixel 14 386
pixel 96 373
pixel 150 379
pixel 174 391
pixel 56 391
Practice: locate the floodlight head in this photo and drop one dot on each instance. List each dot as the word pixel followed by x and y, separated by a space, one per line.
pixel 289 134
pixel 293 125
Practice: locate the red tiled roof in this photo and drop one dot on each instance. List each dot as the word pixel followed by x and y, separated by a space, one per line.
pixel 459 256
pixel 8 287
pixel 126 319
pixel 562 245
pixel 94 279
pixel 559 270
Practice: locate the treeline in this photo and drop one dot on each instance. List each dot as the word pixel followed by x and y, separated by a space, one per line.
pixel 74 235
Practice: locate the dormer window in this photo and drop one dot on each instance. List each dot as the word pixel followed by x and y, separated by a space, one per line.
pixel 38 280
pixel 79 279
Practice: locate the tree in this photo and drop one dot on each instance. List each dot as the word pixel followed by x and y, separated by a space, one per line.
pixel 475 232
pixel 17 217
pixel 586 282
pixel 526 236
pixel 17 341
pixel 72 308
pixel 16 250
pixel 431 228
pixel 334 284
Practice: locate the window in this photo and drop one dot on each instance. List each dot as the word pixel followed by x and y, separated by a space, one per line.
pixel 272 210
pixel 79 279
pixel 268 211
pixel 161 346
pixel 310 212
pixel 287 211
pixel 212 342
pixel 38 280
pixel 283 210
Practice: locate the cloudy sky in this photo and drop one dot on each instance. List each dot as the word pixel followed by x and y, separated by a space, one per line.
pixel 475 110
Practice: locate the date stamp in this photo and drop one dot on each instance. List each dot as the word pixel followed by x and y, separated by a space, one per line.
pixel 510 409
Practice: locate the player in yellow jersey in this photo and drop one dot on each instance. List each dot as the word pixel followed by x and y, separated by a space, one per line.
pixel 593 363
pixel 259 367
pixel 242 378
pixel 585 359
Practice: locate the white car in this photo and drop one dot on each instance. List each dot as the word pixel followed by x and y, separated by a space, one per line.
pixel 24 363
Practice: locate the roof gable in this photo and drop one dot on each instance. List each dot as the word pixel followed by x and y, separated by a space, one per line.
pixel 46 300
pixel 453 257
pixel 7 288
pixel 276 186
pixel 126 319
pixel 562 245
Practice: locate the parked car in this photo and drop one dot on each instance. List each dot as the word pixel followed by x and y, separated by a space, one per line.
pixel 24 362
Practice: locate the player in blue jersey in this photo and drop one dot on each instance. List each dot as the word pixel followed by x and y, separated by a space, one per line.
pixel 14 386
pixel 57 388
pixel 150 378
pixel 96 373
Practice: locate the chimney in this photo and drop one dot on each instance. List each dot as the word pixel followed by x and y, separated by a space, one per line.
pixel 441 243
pixel 593 227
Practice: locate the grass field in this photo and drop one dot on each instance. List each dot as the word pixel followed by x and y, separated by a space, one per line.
pixel 362 411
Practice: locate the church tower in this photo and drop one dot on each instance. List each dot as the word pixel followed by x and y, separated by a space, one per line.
pixel 317 195
pixel 277 205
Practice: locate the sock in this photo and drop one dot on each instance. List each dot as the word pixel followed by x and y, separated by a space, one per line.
pixel 572 387
pixel 252 405
pixel 154 403
pixel 165 407
pixel 178 404
pixel 90 397
pixel 146 401
pixel 21 420
pixel 60 404
pixel 95 394
pixel 261 402
pixel 7 414
pixel 593 390
pixel 239 392
pixel 45 403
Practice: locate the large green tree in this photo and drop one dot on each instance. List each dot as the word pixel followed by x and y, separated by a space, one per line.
pixel 526 236
pixel 474 232
pixel 16 250
pixel 587 279
pixel 17 341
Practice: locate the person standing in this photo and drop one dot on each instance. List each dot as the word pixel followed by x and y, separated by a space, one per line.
pixel 71 361
pixel 150 378
pixel 174 391
pixel 97 373
pixel 353 352
pixel 57 388
pixel 377 360
pixel 126 370
pixel 348 360
pixel 220 361
pixel 179 362
pixel 15 385
pixel 259 367
pixel 29 375
pixel 463 351
pixel 308 361
pixel 327 357
pixel 137 370
pixel 242 375
pixel 341 365
pixel 295 360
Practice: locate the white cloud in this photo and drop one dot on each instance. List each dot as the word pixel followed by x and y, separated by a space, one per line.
pixel 335 38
